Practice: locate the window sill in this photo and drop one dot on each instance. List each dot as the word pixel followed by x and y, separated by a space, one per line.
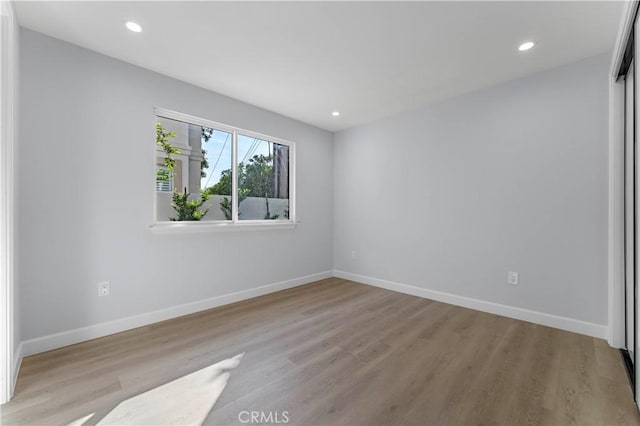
pixel 198 227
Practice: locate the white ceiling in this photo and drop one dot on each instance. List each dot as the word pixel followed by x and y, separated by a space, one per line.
pixel 306 59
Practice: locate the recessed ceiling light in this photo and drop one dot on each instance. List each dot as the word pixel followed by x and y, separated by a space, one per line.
pixel 133 26
pixel 335 113
pixel 526 46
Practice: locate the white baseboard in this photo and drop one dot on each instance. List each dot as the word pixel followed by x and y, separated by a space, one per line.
pixel 17 362
pixel 65 338
pixel 58 340
pixel 549 320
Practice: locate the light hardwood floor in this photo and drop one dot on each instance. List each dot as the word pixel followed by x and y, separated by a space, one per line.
pixel 329 353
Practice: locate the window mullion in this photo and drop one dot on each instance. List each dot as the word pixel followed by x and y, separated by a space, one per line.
pixel 234 181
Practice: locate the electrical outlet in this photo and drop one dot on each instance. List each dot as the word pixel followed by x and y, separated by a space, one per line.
pixel 512 278
pixel 104 288
pixel 354 254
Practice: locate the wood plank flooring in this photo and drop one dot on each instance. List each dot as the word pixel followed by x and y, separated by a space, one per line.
pixel 329 353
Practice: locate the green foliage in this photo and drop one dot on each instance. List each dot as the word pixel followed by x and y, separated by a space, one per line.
pixel 224 185
pixel 163 139
pixel 204 164
pixel 258 176
pixel 205 135
pixel 255 179
pixel 163 175
pixel 189 210
pixel 225 206
pixel 225 203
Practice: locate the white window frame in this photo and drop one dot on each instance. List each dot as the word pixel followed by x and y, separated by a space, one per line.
pixel 235 223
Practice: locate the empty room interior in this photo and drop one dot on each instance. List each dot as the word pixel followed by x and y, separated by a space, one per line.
pixel 319 213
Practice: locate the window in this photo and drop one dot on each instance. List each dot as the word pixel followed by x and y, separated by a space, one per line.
pixel 263 184
pixel 211 172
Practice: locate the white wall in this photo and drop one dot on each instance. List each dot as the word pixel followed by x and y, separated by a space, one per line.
pixel 513 178
pixel 446 198
pixel 10 310
pixel 86 184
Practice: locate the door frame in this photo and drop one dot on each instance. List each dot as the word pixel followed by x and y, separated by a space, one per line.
pixel 616 326
pixel 617 305
pixel 8 115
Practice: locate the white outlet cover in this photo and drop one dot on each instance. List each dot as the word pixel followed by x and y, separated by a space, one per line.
pixel 512 278
pixel 104 288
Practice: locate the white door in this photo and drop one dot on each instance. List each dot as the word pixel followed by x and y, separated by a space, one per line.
pixel 630 231
pixel 636 122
